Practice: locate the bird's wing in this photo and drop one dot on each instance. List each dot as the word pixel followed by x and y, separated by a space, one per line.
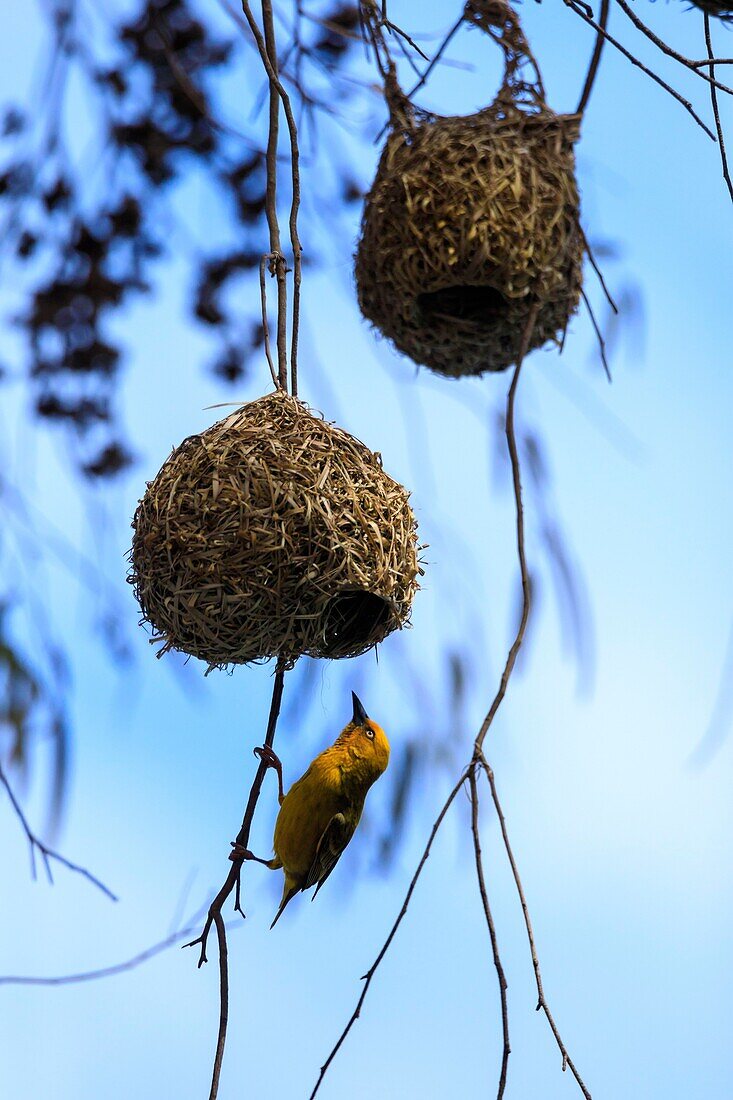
pixel 334 839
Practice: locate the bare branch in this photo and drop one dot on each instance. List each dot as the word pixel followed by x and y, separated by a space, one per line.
pixel 47 854
pixel 469 772
pixel 232 881
pixel 278 266
pixel 517 483
pixel 268 257
pixel 367 978
pixel 586 15
pixel 492 932
pixel 268 54
pixel 541 1002
pixel 594 264
pixel 716 111
pixel 669 51
pixel 436 56
pixel 223 1003
pixel 599 334
pixel 595 59
pixel 108 971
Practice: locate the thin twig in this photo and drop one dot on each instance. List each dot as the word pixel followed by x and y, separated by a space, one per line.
pixel 599 334
pixel 478 756
pixel 478 751
pixel 517 483
pixel 265 324
pixel 582 10
pixel 716 111
pixel 367 978
pixel 267 50
pixel 47 854
pixel 232 881
pixel 242 839
pixel 541 1002
pixel 371 22
pixel 492 932
pixel 108 971
pixel 436 56
pixel 669 51
pixel 595 59
pixel 223 1004
pixel 596 267
pixel 278 266
pixel 399 33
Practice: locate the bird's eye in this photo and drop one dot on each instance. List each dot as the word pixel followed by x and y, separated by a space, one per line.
pixel 369 733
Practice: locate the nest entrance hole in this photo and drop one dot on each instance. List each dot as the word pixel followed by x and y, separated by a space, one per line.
pixel 352 619
pixel 479 305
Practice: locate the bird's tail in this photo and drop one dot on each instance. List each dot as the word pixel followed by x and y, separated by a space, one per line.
pixel 289 892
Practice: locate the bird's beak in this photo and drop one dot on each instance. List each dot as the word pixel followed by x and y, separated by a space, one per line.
pixel 360 715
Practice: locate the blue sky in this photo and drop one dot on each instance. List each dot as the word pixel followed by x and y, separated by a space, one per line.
pixel 625 847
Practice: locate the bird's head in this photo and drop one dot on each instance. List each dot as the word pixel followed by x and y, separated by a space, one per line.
pixel 367 742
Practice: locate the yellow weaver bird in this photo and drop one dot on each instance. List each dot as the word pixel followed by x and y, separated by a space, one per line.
pixel 319 814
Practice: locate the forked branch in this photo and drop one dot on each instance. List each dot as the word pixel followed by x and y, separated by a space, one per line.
pixel 492 932
pixel 36 845
pixel 479 760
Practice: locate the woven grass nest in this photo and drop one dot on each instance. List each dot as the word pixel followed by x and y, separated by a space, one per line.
pixel 273 534
pixel 723 9
pixel 471 221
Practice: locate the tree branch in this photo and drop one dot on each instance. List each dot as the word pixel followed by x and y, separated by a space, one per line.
pixel 595 59
pixel 669 51
pixel 268 54
pixel 367 978
pixel 716 111
pixel 232 881
pixel 599 334
pixel 492 932
pixel 541 1001
pixel 278 266
pixel 469 773
pixel 585 14
pixel 47 854
pixel 521 555
pixel 223 1004
pixel 108 971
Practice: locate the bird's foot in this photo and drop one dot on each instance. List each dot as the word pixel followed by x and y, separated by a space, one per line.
pixel 271 760
pixel 239 854
pixel 268 756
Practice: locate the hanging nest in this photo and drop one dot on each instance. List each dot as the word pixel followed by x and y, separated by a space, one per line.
pixel 472 221
pixel 722 9
pixel 273 534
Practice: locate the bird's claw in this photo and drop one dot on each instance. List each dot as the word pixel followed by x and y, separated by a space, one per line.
pixel 239 853
pixel 271 760
pixel 267 756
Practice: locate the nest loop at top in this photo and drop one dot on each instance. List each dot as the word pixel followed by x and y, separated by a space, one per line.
pixel 521 87
pixel 499 20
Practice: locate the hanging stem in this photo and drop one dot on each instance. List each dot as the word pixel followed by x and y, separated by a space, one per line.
pixel 542 1005
pixel 278 266
pixel 517 482
pixel 595 58
pixel 716 109
pixel 506 1051
pixel 232 882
